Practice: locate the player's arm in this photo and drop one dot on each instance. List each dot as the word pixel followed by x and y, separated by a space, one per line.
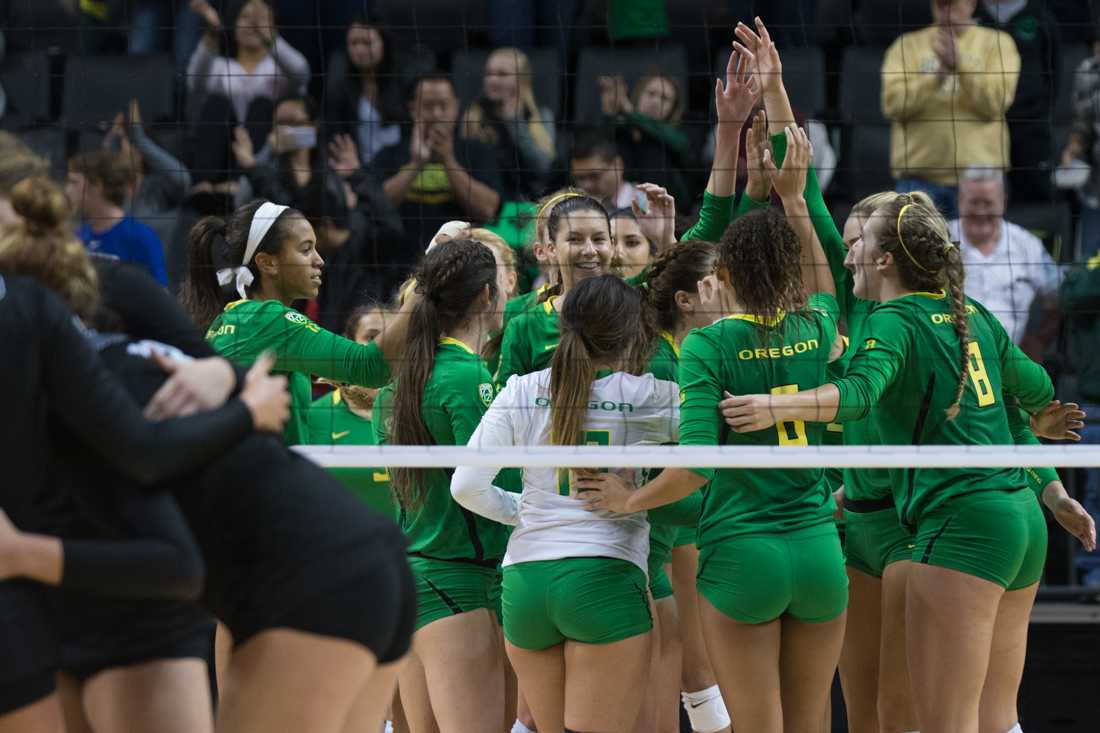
pixel 472 487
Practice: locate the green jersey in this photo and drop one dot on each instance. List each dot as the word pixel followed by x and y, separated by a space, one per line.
pixel 522 303
pixel 743 355
pixel 665 362
pixel 247 328
pixel 457 394
pixel 331 422
pixel 529 342
pixel 905 376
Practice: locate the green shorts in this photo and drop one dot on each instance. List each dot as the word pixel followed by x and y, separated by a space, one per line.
pixel 875 539
pixel 593 600
pixel 659 584
pixel 757 578
pixel 685 536
pixel 447 588
pixel 1000 536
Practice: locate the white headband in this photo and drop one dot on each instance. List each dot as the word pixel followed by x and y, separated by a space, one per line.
pixel 262 220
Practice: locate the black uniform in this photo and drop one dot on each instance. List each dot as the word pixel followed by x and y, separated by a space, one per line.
pixel 49 372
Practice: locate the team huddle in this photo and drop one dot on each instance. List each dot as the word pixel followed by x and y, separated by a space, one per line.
pixel 509 598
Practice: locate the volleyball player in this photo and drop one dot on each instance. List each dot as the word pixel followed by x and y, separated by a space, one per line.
pixel 344 417
pixel 931 370
pixel 576 614
pixel 771 569
pixel 672 289
pixel 289 553
pixel 440 392
pixel 243 274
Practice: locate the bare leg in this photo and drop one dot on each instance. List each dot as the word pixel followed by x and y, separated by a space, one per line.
pixel 665 676
pixel 413 700
pixel 164 695
pixel 464 669
pixel 292 680
pixel 369 710
pixel 511 689
pixel 523 711
pixel 859 659
pixel 41 716
pixel 896 710
pixel 695 669
pixel 605 683
pixel 223 650
pixel 949 618
pixel 647 713
pixel 746 662
pixel 70 693
pixel 807 665
pixel 998 711
pixel 543 673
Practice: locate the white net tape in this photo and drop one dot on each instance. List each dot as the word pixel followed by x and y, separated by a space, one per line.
pixel 653 456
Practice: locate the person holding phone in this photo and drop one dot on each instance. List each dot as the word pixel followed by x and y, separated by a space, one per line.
pixel 290 168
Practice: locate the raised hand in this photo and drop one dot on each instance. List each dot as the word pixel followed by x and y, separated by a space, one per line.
pixel 206 11
pixel 758 45
pixel 658 221
pixel 735 100
pixel 790 181
pixel 759 184
pixel 419 150
pixel 343 155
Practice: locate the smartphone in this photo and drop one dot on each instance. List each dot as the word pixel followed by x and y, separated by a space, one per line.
pixel 304 138
pixel 642 201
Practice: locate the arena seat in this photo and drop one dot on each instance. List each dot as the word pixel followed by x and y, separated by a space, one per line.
pixel 99 87
pixel 442 25
pixel 1072 56
pixel 26 80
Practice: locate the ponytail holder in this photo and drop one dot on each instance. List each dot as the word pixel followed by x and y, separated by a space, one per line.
pixel 901 239
pixel 240 276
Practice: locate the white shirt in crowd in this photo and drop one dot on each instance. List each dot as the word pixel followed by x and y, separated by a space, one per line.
pixel 623 410
pixel 208 73
pixel 1008 280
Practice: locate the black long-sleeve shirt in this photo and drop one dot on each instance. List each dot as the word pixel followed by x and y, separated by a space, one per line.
pixel 50 372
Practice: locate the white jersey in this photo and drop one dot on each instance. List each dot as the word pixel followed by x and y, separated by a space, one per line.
pixel 550 524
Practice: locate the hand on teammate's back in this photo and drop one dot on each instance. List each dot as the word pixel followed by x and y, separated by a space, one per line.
pixel 266 396
pixel 194 386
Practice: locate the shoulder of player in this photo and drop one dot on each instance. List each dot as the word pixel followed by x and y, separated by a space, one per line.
pixel 461 376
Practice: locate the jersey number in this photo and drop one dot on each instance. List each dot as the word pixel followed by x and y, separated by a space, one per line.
pixel 791 432
pixel 590 437
pixel 979 377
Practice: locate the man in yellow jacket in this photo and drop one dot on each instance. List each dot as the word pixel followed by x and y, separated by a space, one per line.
pixel 946 88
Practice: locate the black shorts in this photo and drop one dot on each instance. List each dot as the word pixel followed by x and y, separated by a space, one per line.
pixel 28 637
pixel 370 600
pixel 98 634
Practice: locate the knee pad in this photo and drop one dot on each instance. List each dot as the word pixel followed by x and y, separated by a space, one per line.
pixel 706 710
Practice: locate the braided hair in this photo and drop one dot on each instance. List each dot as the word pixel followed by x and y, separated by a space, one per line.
pixel 450 278
pixel 916 235
pixel 677 270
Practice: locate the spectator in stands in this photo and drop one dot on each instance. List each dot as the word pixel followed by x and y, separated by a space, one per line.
pixel 1035 33
pixel 363 95
pixel 647 129
pixel 1080 302
pixel 597 169
pixel 160 181
pixel 506 117
pixel 291 167
pixel 1079 167
pixel 239 88
pixel 432 176
pixel 98 185
pixel 1007 267
pixel 946 88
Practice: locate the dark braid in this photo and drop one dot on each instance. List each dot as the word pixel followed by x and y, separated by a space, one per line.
pixel 762 253
pixel 679 269
pixel 928 261
pixel 450 278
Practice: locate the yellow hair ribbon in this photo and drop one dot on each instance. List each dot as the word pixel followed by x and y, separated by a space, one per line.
pixel 902 241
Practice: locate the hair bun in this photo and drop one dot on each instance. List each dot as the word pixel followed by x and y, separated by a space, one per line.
pixel 41 203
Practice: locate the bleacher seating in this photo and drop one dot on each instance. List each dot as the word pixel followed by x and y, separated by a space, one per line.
pixel 27 82
pixel 99 87
pixel 442 25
